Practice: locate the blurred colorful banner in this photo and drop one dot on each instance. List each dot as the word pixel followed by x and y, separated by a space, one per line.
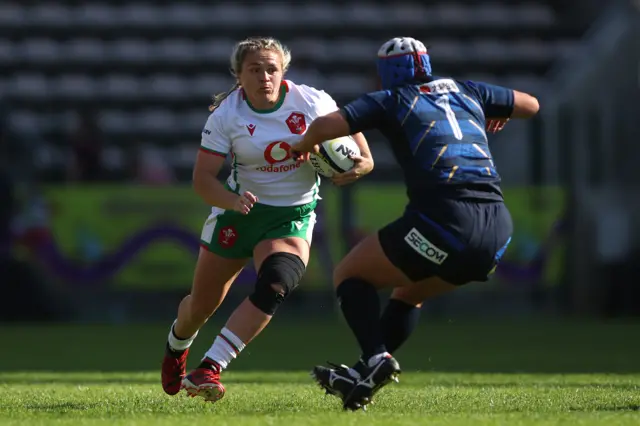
pixel 147 238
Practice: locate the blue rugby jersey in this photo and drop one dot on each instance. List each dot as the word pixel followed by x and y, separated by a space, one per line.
pixel 437 132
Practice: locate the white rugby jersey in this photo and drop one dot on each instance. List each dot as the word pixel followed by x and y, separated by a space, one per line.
pixel 259 142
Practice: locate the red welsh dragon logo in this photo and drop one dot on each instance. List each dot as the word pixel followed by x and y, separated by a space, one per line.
pixel 296 123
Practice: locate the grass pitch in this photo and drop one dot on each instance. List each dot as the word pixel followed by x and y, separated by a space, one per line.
pixel 259 398
pixel 455 374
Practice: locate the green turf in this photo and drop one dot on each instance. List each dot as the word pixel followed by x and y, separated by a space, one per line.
pixel 456 373
pixel 290 398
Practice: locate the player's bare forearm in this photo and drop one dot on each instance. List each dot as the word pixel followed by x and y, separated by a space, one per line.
pixel 206 183
pixel 213 192
pixel 324 128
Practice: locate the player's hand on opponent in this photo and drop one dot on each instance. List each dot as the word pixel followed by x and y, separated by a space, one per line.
pixel 362 166
pixel 244 203
pixel 494 125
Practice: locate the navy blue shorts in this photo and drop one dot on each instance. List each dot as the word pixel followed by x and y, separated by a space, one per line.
pixel 458 241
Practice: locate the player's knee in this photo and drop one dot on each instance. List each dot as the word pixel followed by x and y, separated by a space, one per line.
pixel 279 275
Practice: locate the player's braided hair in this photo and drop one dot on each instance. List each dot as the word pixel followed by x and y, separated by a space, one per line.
pixel 240 52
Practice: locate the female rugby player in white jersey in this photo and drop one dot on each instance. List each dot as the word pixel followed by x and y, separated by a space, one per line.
pixel 265 211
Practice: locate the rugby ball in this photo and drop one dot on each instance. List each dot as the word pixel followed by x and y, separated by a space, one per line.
pixel 333 156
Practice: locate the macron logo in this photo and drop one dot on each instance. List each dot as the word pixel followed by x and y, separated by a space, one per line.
pixel 424 248
pixel 251 128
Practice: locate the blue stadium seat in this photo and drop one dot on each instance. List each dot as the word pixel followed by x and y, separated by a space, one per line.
pixel 85 50
pixel 7 52
pixel 32 86
pixel 120 86
pixel 117 122
pixel 488 50
pixel 131 50
pixel 49 15
pixel 215 48
pixel 96 14
pixel 277 13
pixel 39 50
pixel 156 120
pixel 26 121
pixel 227 13
pixel 203 86
pixel 535 14
pixel 165 86
pixel 449 50
pixel 74 86
pixel 143 15
pixel 183 14
pixel 12 15
pixel 178 50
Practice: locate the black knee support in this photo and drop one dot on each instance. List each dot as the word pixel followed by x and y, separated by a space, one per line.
pixel 279 269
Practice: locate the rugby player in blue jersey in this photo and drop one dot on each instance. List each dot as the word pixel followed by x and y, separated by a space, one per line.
pixel 455 227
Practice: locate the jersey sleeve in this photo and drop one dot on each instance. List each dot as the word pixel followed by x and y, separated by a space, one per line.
pixel 214 141
pixel 367 112
pixel 497 101
pixel 320 102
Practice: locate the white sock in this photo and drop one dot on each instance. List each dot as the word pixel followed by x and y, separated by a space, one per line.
pixel 179 344
pixel 377 358
pixel 225 348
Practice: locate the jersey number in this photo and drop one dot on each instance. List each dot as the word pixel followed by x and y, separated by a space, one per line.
pixel 443 102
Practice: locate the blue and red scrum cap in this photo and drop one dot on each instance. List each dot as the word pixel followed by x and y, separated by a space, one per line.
pixel 402 60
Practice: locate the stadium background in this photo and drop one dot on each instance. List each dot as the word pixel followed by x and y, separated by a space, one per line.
pixel 102 105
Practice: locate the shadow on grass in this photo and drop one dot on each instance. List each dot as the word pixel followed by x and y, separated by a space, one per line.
pixel 615 408
pixel 503 347
pixel 278 410
pixel 61 406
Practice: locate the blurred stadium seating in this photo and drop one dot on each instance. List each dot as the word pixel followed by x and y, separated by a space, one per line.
pixel 146 70
pixel 149 68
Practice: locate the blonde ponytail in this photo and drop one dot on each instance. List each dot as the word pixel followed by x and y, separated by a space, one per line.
pixel 218 98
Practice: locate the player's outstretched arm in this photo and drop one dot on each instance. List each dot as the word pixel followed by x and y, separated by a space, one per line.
pixel 364 113
pixel 326 127
pixel 524 105
pixel 212 191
